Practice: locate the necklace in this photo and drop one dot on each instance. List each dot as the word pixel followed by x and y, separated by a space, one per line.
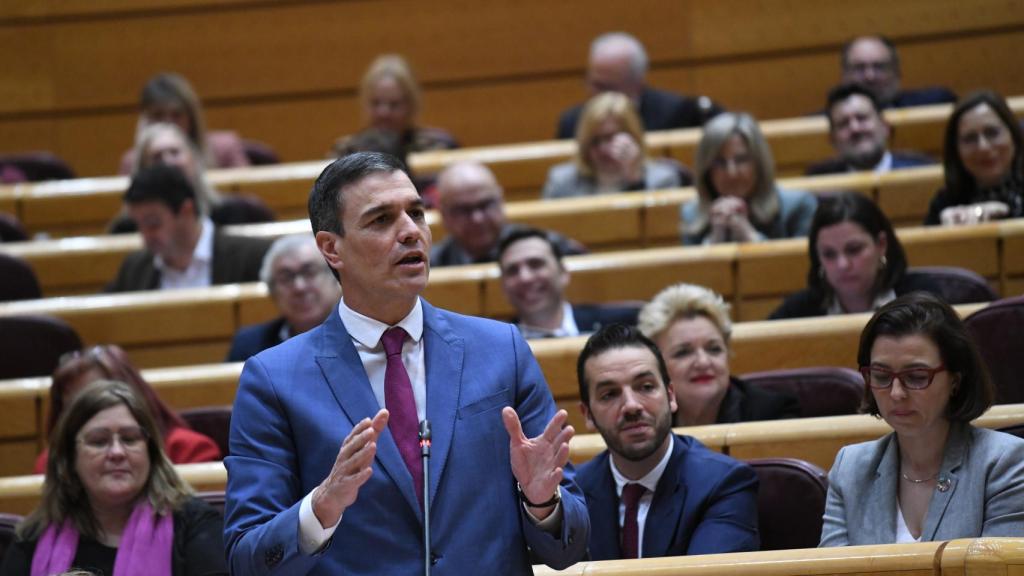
pixel 915 481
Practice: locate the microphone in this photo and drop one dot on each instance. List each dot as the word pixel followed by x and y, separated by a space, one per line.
pixel 425 452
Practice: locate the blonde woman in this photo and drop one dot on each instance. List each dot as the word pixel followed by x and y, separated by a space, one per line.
pixel 610 154
pixel 738 200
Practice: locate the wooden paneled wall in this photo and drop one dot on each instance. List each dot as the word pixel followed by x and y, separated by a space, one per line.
pixel 287 72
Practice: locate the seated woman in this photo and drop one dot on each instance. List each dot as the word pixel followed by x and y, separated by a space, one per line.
pixel 169 98
pixel 935 477
pixel 691 326
pixel 112 503
pixel 182 444
pixel 857 262
pixel 390 97
pixel 611 155
pixel 983 157
pixel 738 200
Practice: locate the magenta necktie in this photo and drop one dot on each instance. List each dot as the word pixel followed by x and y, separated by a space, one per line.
pixel 401 405
pixel 631 494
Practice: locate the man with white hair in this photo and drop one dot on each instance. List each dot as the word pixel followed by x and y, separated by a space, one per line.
pixel 303 290
pixel 618 63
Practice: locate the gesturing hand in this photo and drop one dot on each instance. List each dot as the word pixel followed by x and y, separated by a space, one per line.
pixel 352 468
pixel 537 463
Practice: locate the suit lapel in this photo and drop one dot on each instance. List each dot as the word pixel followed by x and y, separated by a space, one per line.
pixel 956 450
pixel 603 505
pixel 443 359
pixel 666 512
pixel 342 368
pixel 881 504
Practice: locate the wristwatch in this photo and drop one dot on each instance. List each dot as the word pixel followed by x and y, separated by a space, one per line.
pixel 555 499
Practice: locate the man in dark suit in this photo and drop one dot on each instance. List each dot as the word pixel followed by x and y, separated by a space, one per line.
pixel 303 289
pixel 324 429
pixel 618 63
pixel 183 247
pixel 472 207
pixel 872 61
pixel 860 135
pixel 534 280
pixel 653 493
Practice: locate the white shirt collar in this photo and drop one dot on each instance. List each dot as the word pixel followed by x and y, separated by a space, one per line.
pixel 202 253
pixel 568 327
pixel 367 331
pixel 882 299
pixel 885 164
pixel 650 480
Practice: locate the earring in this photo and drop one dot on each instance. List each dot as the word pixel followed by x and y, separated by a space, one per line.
pixel 882 262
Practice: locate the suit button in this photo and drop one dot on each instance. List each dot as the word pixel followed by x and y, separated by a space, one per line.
pixel 433 559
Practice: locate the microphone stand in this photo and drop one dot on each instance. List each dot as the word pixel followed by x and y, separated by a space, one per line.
pixel 425 452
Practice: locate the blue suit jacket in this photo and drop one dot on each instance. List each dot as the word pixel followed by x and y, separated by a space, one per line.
pixel 705 503
pixel 298 401
pixel 252 340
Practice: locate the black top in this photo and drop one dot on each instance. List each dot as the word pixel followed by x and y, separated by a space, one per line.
pixel 1010 192
pixel 198 548
pixel 659 110
pixel 252 340
pixel 745 402
pixel 900 160
pixel 807 303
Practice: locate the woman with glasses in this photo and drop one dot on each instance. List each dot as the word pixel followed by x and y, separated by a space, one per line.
pixel 611 155
pixel 112 502
pixel 738 200
pixel 857 262
pixel 77 370
pixel 983 157
pixel 935 477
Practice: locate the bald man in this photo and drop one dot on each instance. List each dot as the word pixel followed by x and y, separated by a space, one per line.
pixel 872 62
pixel 618 63
pixel 472 207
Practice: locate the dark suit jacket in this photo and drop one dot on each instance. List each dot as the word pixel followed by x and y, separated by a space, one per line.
pixel 745 402
pixel 659 110
pixel 235 259
pixel 252 340
pixel 923 97
pixel 297 402
pixel 591 317
pixel 705 503
pixel 807 303
pixel 899 160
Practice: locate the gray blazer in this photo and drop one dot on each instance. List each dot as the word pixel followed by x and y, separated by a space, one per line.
pixel 796 211
pixel 564 181
pixel 983 469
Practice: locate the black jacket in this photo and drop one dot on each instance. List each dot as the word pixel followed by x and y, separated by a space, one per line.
pixel 659 110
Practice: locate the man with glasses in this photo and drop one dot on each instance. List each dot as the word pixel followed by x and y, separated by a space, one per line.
pixel 472 210
pixel 872 62
pixel 303 290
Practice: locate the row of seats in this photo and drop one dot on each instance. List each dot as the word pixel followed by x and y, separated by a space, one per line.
pixel 521 168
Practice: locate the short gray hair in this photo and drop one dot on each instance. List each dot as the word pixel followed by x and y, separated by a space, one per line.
pixel 280 247
pixel 684 301
pixel 638 61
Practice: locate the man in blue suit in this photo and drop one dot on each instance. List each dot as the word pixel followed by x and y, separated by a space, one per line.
pixel 653 493
pixel 324 475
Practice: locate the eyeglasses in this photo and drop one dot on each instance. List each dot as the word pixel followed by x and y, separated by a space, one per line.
pixel 738 161
pixel 100 441
pixel 467 210
pixel 288 278
pixel 877 67
pixel 912 379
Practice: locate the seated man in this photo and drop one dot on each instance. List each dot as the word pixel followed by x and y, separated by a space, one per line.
pixel 303 290
pixel 534 280
pixel 872 61
pixel 860 135
pixel 618 63
pixel 653 493
pixel 183 248
pixel 472 210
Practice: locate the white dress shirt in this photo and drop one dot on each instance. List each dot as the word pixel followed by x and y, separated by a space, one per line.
pixel 650 482
pixel 366 333
pixel 199 272
pixel 903 535
pixel 568 327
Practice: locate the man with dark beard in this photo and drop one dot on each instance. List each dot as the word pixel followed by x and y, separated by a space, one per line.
pixel 653 493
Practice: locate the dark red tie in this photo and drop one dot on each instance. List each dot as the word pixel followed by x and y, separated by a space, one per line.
pixel 631 494
pixel 398 399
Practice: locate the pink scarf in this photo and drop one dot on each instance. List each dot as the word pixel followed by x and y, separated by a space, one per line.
pixel 145 545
